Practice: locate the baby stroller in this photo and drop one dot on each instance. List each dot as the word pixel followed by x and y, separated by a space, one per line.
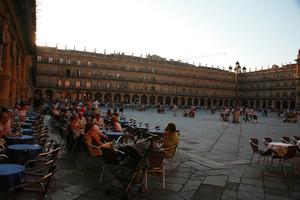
pixel 130 170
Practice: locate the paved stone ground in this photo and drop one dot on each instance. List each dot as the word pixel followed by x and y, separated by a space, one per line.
pixel 211 163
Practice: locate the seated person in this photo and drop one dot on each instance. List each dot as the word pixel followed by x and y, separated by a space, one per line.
pixel 170 139
pixel 116 125
pixel 98 120
pixel 81 119
pixel 94 137
pixel 5 124
pixel 76 127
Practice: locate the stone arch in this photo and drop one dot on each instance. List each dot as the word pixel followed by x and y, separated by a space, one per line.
pixel 98 96
pixel 264 104
pixel 277 105
pixel 152 100
pixel 175 101
pixel 293 105
pixel 221 103
pixel 117 99
pixel 208 103
pixel 215 102
pixel 284 105
pixel 189 101
pixel 144 100
pixel 182 101
pixel 135 99
pixel 160 100
pixel 196 102
pixel 126 99
pixel 107 98
pixel 202 102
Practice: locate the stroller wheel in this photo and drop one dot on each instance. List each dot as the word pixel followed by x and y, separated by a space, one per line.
pixel 125 197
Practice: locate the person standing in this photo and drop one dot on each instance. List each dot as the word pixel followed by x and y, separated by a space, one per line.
pixel 175 110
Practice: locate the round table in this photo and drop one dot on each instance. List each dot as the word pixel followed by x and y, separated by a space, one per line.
pixel 26 131
pixel 24 139
pixel 20 153
pixel 10 176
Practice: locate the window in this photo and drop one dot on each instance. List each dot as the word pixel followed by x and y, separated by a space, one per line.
pixel 88 84
pixel 78 72
pixel 144 78
pixel 50 60
pixel 39 58
pixel 78 62
pixel 118 75
pixel 109 74
pixel 89 73
pixel 61 60
pixel 77 84
pixel 152 88
pixel 118 85
pixel 67 83
pixel 68 72
pixel 153 70
pixel 59 83
pixel 107 85
pixel 89 63
pixel 99 84
pixel 69 61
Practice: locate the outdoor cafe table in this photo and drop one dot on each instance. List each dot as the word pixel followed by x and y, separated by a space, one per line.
pixel 10 176
pixel 279 147
pixel 26 125
pixel 113 134
pixel 20 139
pixel 26 131
pixel 20 153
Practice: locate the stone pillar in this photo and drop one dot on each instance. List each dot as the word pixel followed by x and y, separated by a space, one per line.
pixel 13 79
pixel 6 73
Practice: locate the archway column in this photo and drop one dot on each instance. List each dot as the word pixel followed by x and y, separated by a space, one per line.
pixel 6 73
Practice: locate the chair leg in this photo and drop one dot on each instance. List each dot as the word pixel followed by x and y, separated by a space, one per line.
pixel 251 158
pixel 283 167
pixel 102 173
pixel 164 178
pixel 146 179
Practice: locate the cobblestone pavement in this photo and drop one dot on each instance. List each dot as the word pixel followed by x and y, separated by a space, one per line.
pixel 211 163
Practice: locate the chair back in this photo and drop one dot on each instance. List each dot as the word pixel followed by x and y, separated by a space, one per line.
pixel 155 161
pixel 296 139
pixel 285 139
pixel 291 152
pixel 169 151
pixel 267 140
pixel 254 144
pixel 109 156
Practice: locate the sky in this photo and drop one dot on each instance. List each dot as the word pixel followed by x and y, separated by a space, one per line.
pixel 214 33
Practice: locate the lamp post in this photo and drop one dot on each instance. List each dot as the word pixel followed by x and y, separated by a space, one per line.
pixel 236 113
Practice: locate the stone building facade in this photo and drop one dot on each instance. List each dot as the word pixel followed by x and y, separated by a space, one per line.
pixel 17 50
pixel 153 80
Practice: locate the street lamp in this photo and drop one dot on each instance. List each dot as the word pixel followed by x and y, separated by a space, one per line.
pixel 236 113
pixel 237 71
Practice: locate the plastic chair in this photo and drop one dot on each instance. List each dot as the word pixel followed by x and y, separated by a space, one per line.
pixel 267 140
pixel 255 150
pixel 31 190
pixel 285 139
pixel 155 164
pixel 110 159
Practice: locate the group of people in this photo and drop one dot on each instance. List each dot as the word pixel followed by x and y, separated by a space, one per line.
pixel 11 119
pixel 86 121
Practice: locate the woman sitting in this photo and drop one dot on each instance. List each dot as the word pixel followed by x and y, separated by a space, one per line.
pixel 94 139
pixel 171 139
pixel 116 125
pixel 98 120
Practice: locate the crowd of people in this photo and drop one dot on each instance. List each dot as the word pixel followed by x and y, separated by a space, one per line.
pixel 11 119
